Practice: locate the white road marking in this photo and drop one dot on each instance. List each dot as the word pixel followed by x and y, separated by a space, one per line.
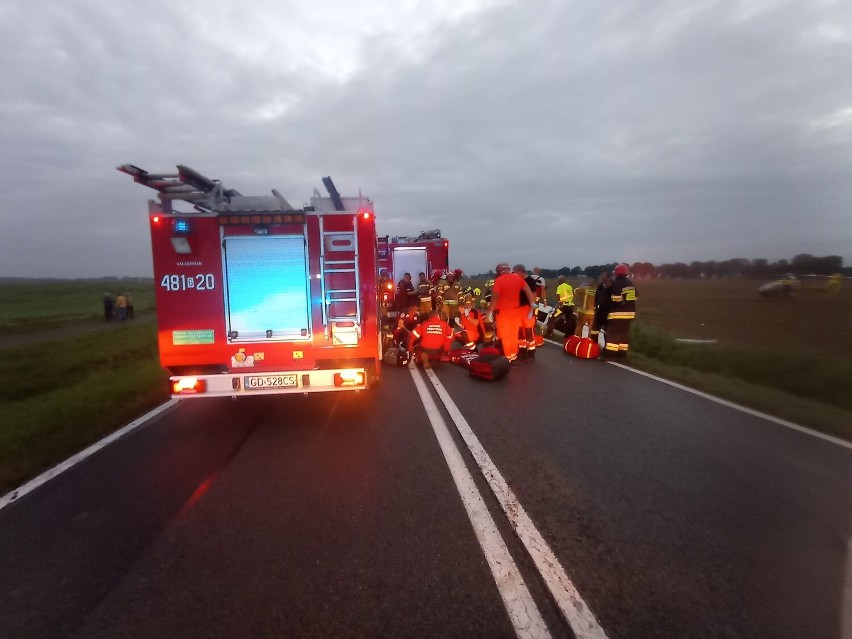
pixel 846 602
pixel 571 604
pixel 523 613
pixel 46 476
pixel 724 402
pixel 749 411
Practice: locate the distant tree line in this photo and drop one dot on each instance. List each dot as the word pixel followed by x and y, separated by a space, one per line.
pixel 802 264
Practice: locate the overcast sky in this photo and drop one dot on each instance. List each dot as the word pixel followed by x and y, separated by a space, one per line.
pixel 550 133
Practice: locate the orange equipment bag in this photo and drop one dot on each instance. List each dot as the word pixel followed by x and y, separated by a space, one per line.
pixel 582 347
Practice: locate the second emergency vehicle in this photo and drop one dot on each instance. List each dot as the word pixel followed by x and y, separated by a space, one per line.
pixel 427 253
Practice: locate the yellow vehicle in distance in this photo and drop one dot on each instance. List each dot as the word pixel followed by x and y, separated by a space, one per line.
pixel 789 284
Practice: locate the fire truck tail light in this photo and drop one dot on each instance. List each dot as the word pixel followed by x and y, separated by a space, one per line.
pixel 188 386
pixel 156 219
pixel 390 286
pixel 349 378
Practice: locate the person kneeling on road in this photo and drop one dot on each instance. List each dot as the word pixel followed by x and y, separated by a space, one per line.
pixel 432 339
pixel 471 323
pixel 405 324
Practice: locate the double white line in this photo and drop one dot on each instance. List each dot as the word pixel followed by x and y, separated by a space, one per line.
pixel 519 604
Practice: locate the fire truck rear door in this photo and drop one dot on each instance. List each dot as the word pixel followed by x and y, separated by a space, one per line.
pixel 409 259
pixel 267 296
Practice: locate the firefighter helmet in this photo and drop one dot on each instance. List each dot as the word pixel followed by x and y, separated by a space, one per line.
pixel 621 269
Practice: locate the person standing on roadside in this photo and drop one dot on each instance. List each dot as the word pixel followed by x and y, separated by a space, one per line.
pixel 449 292
pixel 526 336
pixel 565 295
pixel 621 312
pixel 129 299
pixel 404 293
pixel 539 286
pixel 424 294
pixel 121 307
pixel 505 307
pixel 109 307
pixel 602 300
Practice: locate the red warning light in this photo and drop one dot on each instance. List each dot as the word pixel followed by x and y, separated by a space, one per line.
pixel 365 215
pixel 156 219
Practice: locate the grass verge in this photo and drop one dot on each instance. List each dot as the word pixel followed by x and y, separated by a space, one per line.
pixel 71 394
pixel 807 376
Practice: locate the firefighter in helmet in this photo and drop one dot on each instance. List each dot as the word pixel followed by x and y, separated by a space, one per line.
pixel 424 294
pixel 449 293
pixel 620 313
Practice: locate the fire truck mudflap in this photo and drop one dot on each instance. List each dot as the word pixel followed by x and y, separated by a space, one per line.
pixel 257 298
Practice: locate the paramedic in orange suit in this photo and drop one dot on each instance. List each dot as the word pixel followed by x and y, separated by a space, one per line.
pixel 432 339
pixel 506 307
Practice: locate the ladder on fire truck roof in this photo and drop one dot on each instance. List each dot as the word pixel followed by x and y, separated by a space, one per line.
pixel 203 193
pixel 187 185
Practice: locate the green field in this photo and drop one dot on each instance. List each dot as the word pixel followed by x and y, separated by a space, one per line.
pixel 790 357
pixel 27 306
pixel 57 397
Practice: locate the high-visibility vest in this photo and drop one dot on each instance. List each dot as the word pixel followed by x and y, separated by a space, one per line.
pixel 566 294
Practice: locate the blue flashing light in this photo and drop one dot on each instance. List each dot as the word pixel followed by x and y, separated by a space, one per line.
pixel 180 226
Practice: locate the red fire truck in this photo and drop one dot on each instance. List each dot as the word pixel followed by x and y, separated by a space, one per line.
pixel 255 297
pixel 426 253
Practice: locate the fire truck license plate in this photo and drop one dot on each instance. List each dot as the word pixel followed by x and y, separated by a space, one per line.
pixel 270 381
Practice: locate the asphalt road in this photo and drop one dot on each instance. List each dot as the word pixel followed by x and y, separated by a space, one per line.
pixel 337 516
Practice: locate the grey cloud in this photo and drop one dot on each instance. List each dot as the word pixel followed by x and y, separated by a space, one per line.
pixel 551 133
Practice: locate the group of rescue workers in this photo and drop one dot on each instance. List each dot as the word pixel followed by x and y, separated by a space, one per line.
pixel 432 314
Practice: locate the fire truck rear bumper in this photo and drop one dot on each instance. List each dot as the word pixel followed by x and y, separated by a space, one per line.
pixel 269 383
